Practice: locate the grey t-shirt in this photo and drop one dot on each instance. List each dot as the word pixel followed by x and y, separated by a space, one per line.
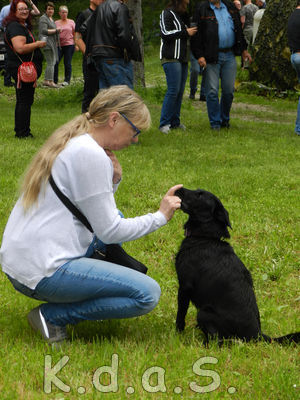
pixel 248 12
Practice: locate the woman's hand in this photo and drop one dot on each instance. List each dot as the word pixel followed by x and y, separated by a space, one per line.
pixel 40 43
pixel 170 203
pixel 117 166
pixel 192 31
pixel 202 62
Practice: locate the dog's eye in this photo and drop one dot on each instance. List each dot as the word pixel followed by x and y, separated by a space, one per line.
pixel 200 193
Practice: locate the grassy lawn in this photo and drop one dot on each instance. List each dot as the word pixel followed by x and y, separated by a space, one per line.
pixel 254 168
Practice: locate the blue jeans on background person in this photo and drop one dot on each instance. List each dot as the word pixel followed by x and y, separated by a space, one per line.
pixel 114 71
pixel 295 60
pixel 90 289
pixel 65 52
pixel 176 75
pixel 195 71
pixel 224 69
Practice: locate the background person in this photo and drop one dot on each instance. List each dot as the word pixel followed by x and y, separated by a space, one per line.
pixel 20 40
pixel 49 32
pixel 80 157
pixel 3 14
pixel 293 33
pixel 174 58
pixel 261 4
pixel 247 15
pixel 90 74
pixel 195 71
pixel 67 46
pixel 112 43
pixel 218 40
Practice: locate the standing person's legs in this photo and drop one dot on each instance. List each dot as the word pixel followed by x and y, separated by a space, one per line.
pixel 202 87
pixel 24 101
pixel 212 76
pixel 295 60
pixel 194 73
pixel 173 72
pixel 175 122
pixel 68 55
pixel 7 75
pixel 50 62
pixel 228 74
pixel 91 84
pixel 60 56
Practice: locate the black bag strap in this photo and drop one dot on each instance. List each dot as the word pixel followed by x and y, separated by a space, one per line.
pixel 65 200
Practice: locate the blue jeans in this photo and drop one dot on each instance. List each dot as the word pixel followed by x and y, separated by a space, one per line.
pixel 195 71
pixel 224 69
pixel 295 60
pixel 65 52
pixel 176 74
pixel 114 71
pixel 90 289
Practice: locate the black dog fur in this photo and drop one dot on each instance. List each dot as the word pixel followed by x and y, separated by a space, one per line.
pixel 212 276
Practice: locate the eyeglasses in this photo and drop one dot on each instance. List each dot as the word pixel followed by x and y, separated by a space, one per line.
pixel 133 126
pixel 23 9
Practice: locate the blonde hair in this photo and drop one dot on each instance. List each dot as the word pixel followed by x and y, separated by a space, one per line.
pixel 117 98
pixel 65 8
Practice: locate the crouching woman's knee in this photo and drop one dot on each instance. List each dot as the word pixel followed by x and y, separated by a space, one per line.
pixel 149 299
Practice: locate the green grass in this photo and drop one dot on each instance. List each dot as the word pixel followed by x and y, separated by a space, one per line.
pixel 254 169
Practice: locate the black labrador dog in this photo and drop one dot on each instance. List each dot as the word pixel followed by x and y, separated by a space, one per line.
pixel 212 276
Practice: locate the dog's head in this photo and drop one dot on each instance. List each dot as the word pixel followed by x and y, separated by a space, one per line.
pixel 207 215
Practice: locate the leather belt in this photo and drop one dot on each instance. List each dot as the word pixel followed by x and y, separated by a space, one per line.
pixel 227 50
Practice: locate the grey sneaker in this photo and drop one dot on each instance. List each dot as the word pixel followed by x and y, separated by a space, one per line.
pixel 180 126
pixel 51 333
pixel 165 129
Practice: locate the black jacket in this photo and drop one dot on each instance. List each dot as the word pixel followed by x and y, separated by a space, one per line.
pixel 173 35
pixel 206 42
pixel 109 32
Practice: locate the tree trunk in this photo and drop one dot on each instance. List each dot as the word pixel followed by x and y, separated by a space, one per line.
pixel 135 9
pixel 270 50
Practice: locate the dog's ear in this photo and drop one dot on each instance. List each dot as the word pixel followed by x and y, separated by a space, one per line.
pixel 221 214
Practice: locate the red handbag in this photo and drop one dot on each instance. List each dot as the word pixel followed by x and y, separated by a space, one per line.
pixel 27 71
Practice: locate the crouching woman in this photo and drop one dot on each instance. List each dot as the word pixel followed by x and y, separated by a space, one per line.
pixel 46 250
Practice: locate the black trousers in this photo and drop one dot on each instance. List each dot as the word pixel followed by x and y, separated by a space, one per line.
pixel 24 101
pixel 91 84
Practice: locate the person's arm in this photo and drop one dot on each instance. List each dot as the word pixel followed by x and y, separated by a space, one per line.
pixel 102 213
pixel 20 46
pixel 167 27
pixel 79 42
pixel 35 11
pixel 197 45
pixel 43 28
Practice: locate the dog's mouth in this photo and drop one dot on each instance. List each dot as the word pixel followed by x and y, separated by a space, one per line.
pixel 179 193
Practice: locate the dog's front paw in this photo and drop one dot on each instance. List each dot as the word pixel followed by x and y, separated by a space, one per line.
pixel 180 326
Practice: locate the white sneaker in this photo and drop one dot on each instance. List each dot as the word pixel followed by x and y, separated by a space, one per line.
pixel 65 84
pixel 165 129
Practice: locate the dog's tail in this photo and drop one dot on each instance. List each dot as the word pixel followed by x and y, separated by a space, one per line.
pixel 290 338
